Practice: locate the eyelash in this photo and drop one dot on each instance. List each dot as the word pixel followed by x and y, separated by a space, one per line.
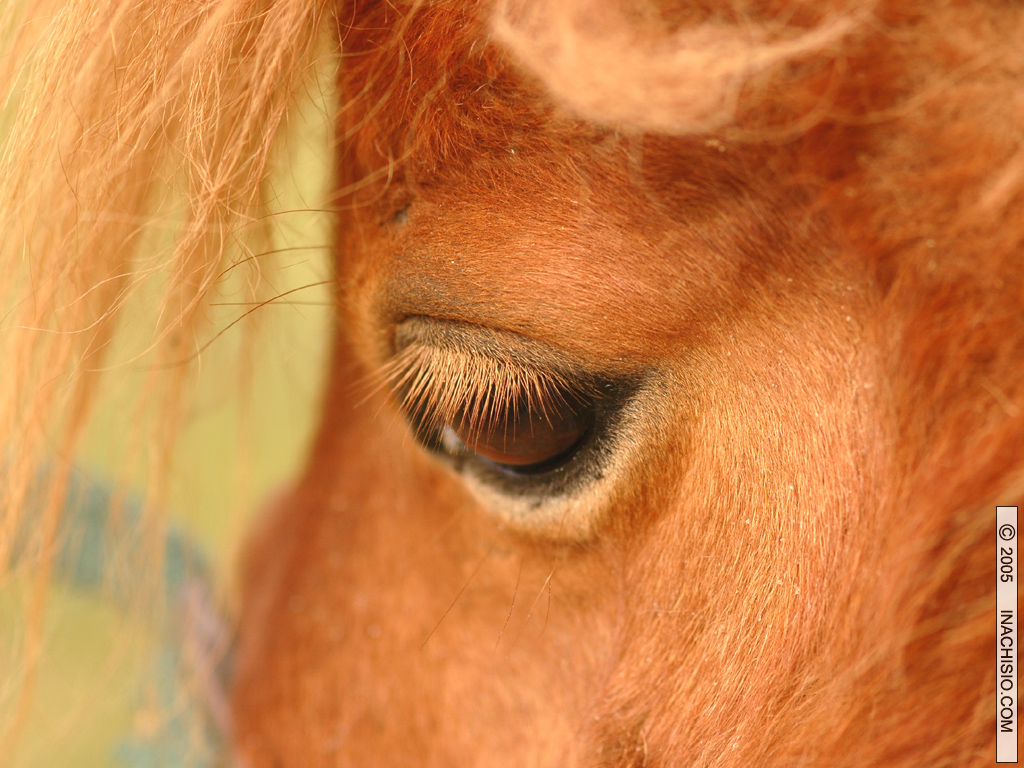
pixel 438 387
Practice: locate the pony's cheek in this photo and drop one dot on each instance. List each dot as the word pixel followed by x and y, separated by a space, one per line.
pixel 382 630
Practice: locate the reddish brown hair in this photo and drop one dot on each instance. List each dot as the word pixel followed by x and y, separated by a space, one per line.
pixel 790 236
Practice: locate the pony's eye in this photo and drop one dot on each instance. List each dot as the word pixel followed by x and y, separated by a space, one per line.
pixel 532 432
pixel 522 438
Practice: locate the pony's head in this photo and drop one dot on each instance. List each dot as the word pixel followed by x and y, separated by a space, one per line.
pixel 675 380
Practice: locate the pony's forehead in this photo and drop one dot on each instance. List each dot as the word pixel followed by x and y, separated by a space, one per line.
pixel 524 218
pixel 597 264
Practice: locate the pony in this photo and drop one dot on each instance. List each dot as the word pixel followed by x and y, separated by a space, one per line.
pixel 675 364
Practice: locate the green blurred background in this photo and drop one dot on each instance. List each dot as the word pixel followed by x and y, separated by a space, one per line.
pixel 238 444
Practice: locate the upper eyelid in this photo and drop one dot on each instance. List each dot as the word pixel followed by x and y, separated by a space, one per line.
pixel 461 352
pixel 445 384
pixel 482 342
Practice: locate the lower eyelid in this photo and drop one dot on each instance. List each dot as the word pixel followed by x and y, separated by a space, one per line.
pixel 568 498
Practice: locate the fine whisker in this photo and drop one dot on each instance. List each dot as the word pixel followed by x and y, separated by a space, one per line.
pixel 462 591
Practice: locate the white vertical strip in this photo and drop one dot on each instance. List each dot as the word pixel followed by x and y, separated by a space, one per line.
pixel 1006 635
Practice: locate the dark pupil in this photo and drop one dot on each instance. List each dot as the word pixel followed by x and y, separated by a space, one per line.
pixel 524 436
